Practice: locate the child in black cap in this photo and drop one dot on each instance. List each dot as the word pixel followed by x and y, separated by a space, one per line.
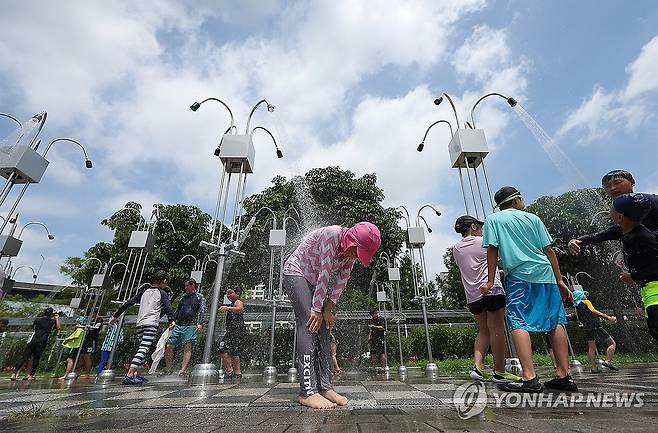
pixel 640 252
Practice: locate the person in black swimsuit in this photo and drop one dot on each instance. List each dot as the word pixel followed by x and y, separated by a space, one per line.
pixel 230 347
pixel 37 342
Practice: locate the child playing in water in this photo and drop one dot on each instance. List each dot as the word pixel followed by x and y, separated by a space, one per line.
pixel 73 343
pixel 640 252
pixel 590 318
pixel 533 286
pixel 616 183
pixel 324 252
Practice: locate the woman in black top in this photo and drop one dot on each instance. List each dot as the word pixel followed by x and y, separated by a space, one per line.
pixel 235 331
pixel 37 342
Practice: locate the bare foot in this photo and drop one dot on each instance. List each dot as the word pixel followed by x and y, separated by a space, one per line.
pixel 332 395
pixel 316 401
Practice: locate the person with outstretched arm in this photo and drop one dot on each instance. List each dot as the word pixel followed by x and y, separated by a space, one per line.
pixel 616 183
pixel 153 302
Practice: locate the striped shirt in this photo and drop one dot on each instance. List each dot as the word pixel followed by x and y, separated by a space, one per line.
pixel 317 260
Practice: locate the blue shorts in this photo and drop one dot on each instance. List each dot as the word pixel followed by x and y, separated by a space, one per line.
pixel 534 307
pixel 182 334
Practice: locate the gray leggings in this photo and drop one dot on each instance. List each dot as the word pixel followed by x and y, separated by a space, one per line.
pixel 313 350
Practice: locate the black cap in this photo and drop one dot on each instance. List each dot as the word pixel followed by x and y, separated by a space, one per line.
pixel 634 206
pixel 464 222
pixel 505 194
pixel 48 311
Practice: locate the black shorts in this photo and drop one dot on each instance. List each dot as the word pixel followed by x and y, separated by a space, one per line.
pixel 487 303
pixel 231 344
pixel 377 347
pixel 598 335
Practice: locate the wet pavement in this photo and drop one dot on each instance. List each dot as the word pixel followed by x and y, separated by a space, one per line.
pixel 377 403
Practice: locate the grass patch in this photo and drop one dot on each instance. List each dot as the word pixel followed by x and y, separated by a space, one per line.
pixel 32 412
pixel 464 365
pixel 90 412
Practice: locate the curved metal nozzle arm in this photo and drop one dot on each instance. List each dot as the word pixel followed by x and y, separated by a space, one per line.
pixel 422 218
pixel 274 225
pixel 187 256
pixel 279 154
pixel 575 277
pixel 406 216
pixel 270 108
pixel 438 101
pixel 195 106
pixel 9 116
pixel 84 150
pixel 289 218
pixel 50 236
pixel 511 101
pixel 418 216
pixel 422 143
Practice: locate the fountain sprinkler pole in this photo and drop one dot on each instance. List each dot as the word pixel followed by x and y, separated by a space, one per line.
pixel 239 159
pixel 292 371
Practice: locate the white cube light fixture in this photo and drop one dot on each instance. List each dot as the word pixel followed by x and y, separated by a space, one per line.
pixel 277 238
pixel 237 151
pixel 100 280
pixel 393 274
pixel 468 143
pixel 10 246
pixel 28 165
pixel 141 239
pixel 196 276
pixel 416 236
pixel 381 296
pixel 75 302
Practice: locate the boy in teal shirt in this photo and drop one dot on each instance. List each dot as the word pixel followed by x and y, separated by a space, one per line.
pixel 534 287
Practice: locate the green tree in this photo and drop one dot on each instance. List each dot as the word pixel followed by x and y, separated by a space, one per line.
pixel 190 224
pixel 323 196
pixel 450 286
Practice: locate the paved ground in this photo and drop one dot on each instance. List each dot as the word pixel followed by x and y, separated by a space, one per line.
pixel 378 404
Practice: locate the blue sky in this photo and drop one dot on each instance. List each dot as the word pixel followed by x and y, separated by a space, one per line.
pixel 353 85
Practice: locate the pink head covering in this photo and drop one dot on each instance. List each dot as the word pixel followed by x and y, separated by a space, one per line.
pixel 366 238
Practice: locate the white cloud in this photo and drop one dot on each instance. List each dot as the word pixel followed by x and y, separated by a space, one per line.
pixel 604 111
pixel 119 89
pixel 643 71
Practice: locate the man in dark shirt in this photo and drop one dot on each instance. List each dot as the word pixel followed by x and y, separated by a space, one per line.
pixel 616 183
pixel 188 319
pixel 640 252
pixel 37 342
pixel 376 339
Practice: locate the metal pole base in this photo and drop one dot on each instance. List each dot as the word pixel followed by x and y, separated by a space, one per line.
pixel 513 365
pixel 402 370
pixel 576 366
pixel 599 363
pixel 71 376
pixel 270 371
pixel 105 376
pixel 387 369
pixel 432 370
pixel 204 374
pixel 292 374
